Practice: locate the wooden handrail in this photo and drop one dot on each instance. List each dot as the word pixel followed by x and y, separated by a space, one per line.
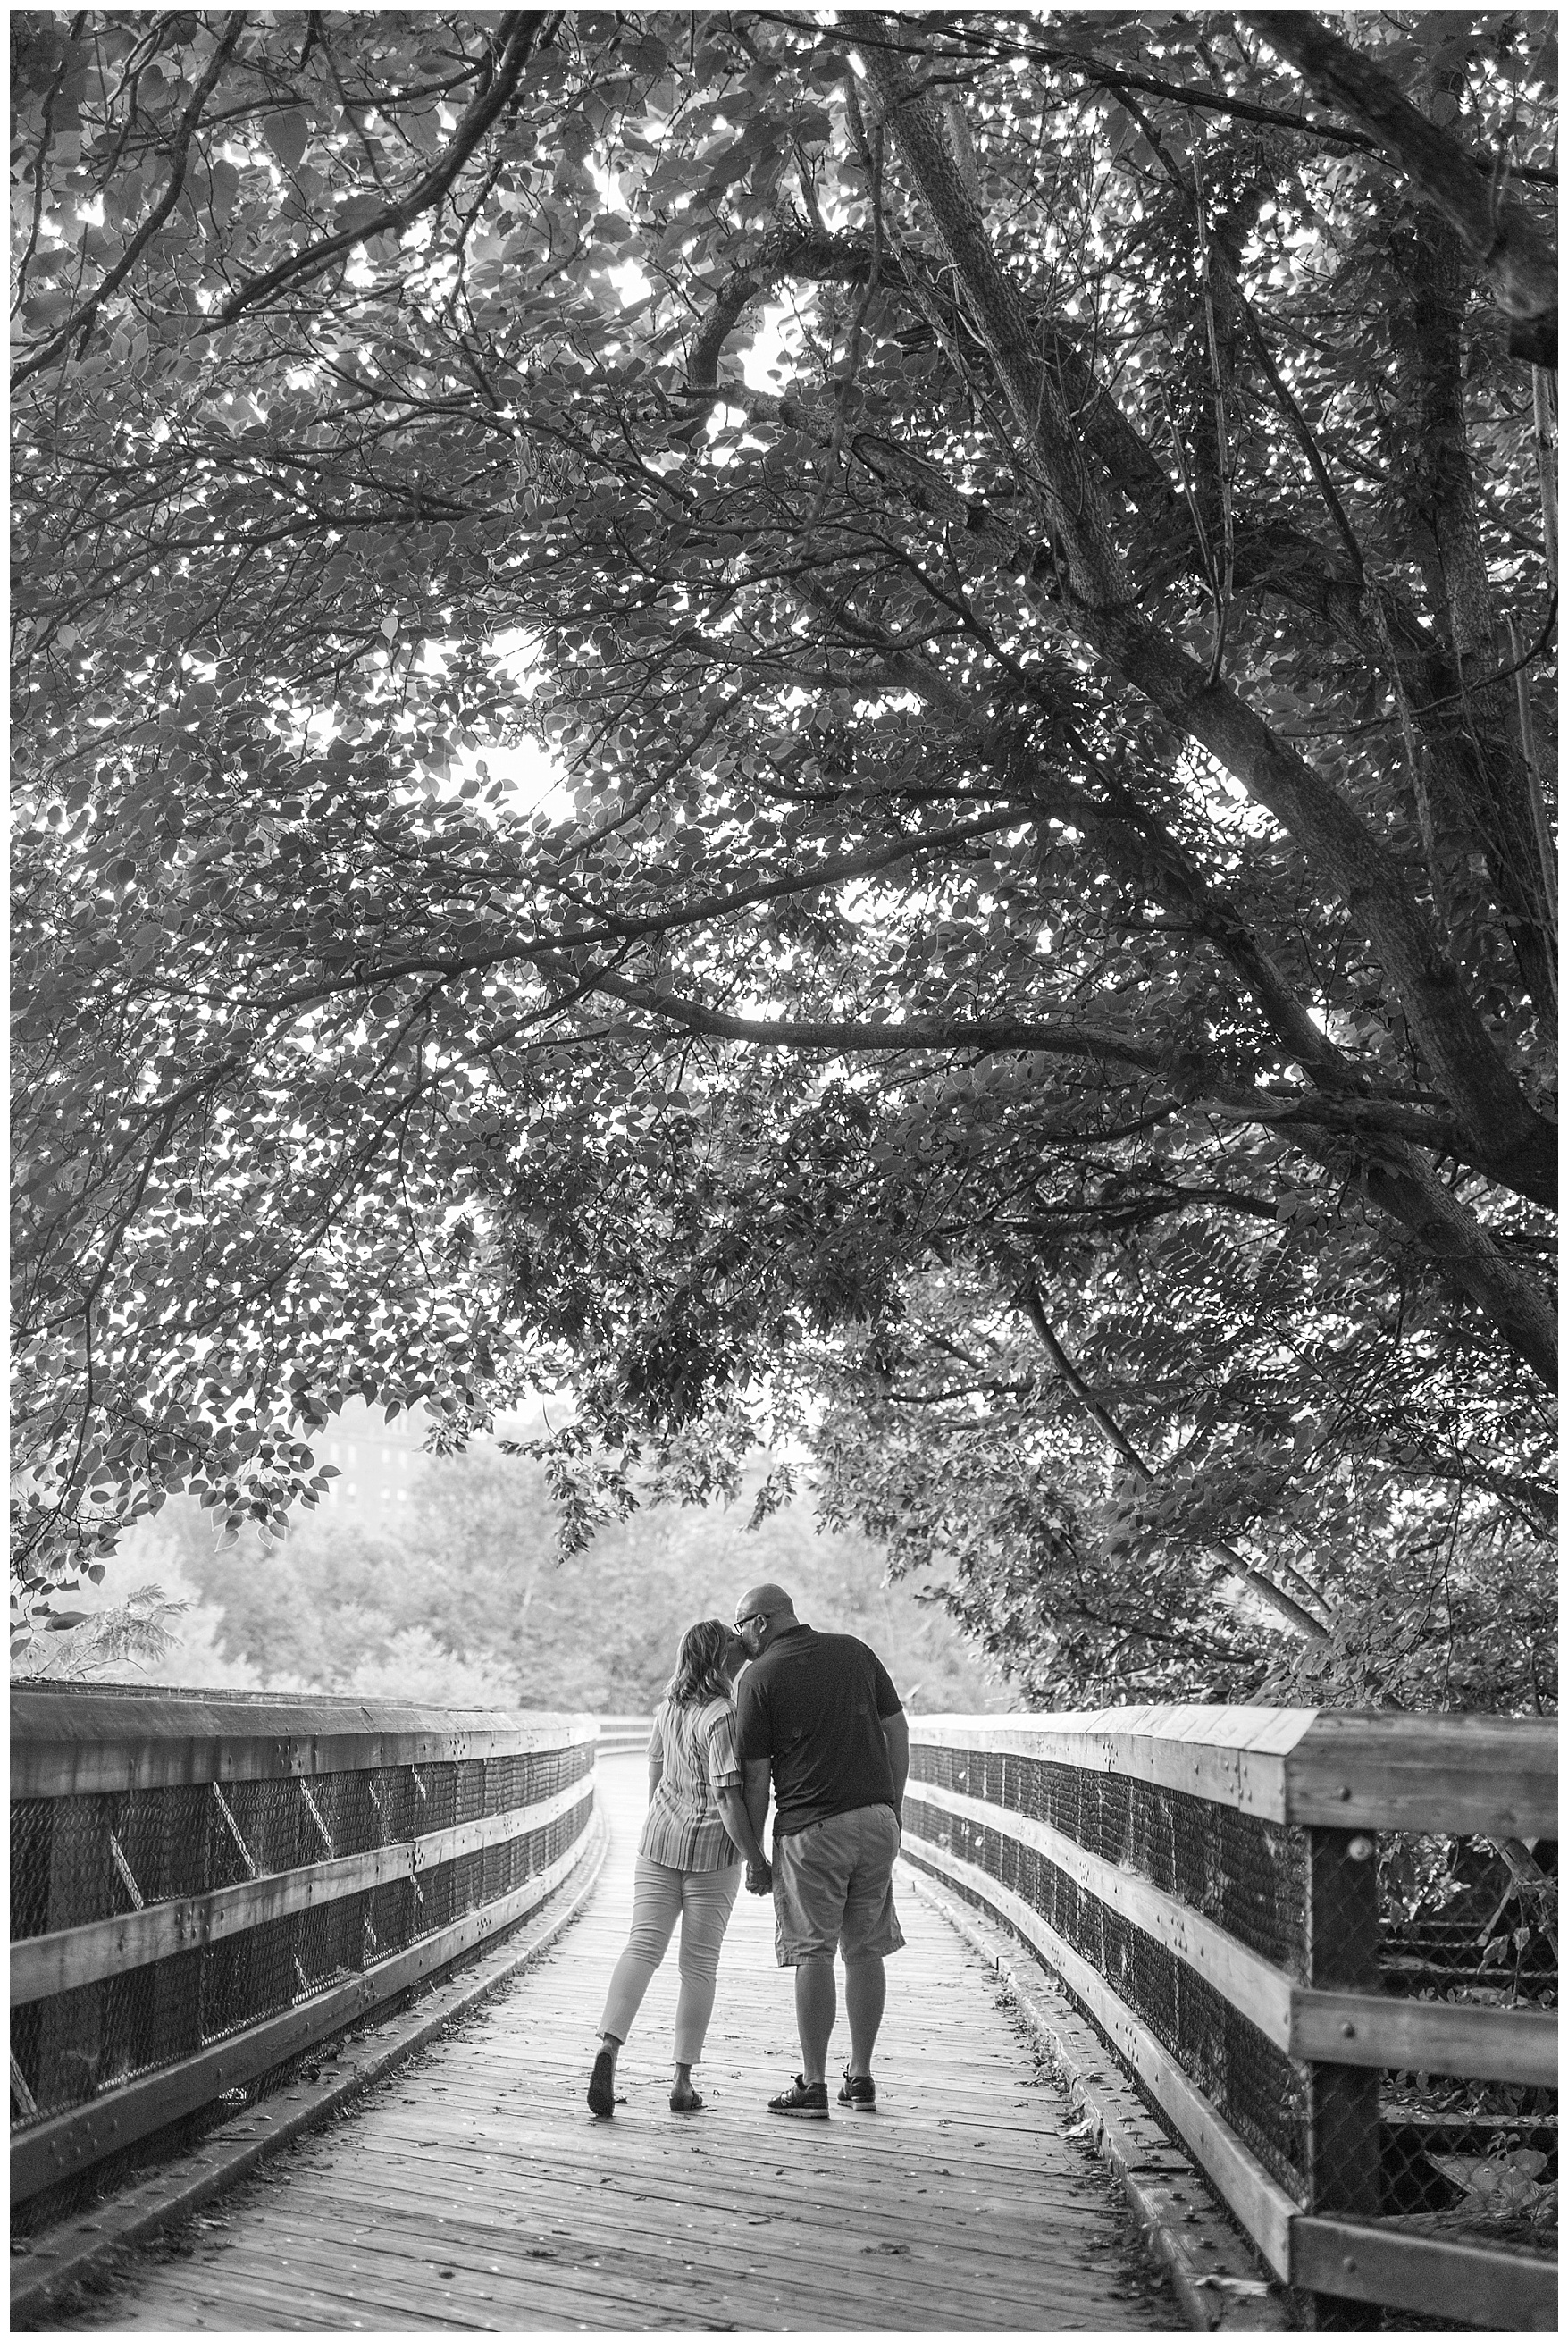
pixel 102 1740
pixel 199 1785
pixel 1330 1780
pixel 1468 1776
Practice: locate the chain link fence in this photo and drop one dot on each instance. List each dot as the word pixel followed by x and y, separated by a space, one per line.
pixel 1245 1876
pixel 1460 1927
pixel 1237 1938
pixel 154 1922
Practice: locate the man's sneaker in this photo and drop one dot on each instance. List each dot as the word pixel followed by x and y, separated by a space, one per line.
pixel 801 2098
pixel 859 2092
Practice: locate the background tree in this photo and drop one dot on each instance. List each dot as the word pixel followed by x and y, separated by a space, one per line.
pixel 461 1599
pixel 1037 567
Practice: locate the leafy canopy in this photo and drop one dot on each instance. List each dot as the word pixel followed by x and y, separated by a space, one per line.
pixel 1030 551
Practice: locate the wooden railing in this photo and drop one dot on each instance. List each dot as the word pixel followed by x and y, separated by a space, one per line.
pixel 205 1886
pixel 624 1736
pixel 1205 1882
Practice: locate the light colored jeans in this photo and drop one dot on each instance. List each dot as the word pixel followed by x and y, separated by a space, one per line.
pixel 701 1900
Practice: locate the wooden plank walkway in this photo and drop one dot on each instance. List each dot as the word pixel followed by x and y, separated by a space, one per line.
pixel 473 2191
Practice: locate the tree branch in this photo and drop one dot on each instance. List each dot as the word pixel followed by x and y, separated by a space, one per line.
pixel 1500 237
pixel 519 34
pixel 81 320
pixel 1290 1613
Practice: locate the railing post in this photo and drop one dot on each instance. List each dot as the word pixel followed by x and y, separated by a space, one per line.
pixel 1344 2163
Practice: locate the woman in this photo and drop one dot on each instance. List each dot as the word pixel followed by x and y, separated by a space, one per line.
pixel 688 1858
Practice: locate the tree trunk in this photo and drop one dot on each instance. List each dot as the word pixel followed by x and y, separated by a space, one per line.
pixel 1480 788
pixel 1102 607
pixel 1502 241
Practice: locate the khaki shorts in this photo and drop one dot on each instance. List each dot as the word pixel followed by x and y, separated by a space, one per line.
pixel 833 1888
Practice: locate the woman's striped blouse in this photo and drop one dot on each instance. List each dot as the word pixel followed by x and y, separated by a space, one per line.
pixel 696 1745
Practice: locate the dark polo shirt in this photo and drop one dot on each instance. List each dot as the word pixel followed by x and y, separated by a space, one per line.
pixel 812 1706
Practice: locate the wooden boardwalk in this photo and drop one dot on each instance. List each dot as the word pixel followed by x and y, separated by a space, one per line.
pixel 474 2191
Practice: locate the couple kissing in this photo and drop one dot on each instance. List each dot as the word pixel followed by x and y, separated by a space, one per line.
pixel 768 1708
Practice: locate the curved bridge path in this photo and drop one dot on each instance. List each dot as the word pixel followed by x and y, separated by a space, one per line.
pixel 472 2190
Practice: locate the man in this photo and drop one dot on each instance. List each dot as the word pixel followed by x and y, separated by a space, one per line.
pixel 818 1715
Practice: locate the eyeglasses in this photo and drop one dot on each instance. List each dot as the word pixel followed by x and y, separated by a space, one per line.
pixel 751 1619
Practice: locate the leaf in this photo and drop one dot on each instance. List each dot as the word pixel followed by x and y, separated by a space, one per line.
pixel 288 134
pixel 730 164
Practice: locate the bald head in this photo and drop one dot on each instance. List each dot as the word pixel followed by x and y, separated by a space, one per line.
pixel 760 1614
pixel 765 1597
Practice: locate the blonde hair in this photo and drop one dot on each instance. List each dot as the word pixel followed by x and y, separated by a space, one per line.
pixel 700 1671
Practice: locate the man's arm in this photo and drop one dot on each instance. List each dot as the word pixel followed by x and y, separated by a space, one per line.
pixel 759 1778
pixel 895 1732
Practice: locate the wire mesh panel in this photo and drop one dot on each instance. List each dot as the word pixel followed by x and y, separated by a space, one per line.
pixel 1268 1953
pixel 230 1879
pixel 1244 1874
pixel 1463 1926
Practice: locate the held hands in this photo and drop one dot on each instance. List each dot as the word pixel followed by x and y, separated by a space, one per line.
pixel 759 1878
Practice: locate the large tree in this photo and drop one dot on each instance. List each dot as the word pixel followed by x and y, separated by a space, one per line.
pixel 1030 539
